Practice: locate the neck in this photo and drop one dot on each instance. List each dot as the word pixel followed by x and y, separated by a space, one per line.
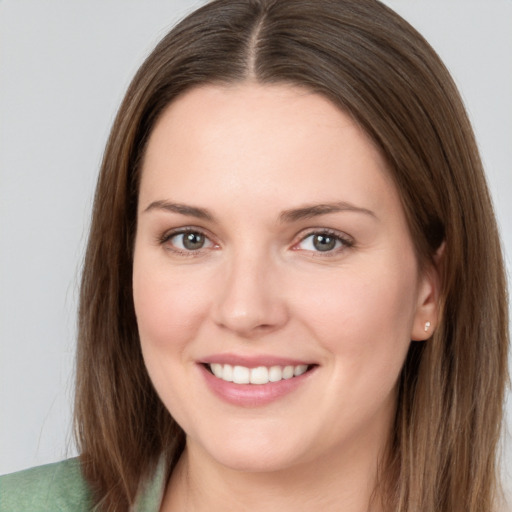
pixel 336 482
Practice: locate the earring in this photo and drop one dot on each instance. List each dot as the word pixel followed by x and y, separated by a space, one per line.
pixel 427 326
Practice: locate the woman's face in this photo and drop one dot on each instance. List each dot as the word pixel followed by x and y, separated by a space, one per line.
pixel 271 242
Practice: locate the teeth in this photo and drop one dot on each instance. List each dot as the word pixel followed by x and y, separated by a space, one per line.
pixel 216 369
pixel 227 373
pixel 300 369
pixel 288 372
pixel 241 375
pixel 259 375
pixel 275 374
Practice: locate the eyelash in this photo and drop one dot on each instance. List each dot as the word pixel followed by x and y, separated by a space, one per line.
pixel 166 237
pixel 345 241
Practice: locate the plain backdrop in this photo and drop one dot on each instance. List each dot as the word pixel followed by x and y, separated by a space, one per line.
pixel 64 66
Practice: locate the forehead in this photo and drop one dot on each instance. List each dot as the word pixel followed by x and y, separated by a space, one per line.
pixel 249 140
pixel 252 110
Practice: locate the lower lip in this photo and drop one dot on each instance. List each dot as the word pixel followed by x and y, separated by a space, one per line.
pixel 252 395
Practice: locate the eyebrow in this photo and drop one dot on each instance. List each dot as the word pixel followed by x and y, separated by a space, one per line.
pixel 292 215
pixel 183 209
pixel 308 212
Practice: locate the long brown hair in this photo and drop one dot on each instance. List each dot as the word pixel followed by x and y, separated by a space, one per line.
pixel 375 66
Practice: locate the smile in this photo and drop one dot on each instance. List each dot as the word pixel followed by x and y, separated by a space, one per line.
pixel 254 381
pixel 259 375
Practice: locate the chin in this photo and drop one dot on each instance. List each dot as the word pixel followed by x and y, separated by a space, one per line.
pixel 249 455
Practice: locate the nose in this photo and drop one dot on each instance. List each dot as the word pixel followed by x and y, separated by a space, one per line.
pixel 250 301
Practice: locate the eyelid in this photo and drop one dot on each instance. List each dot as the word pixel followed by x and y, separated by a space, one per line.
pixel 346 240
pixel 169 234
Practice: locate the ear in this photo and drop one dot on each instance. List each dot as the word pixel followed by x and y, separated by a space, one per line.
pixel 426 317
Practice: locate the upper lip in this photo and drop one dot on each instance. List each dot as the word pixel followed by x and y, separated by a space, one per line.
pixel 253 361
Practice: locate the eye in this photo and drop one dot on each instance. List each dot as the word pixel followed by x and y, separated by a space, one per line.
pixel 187 241
pixel 324 241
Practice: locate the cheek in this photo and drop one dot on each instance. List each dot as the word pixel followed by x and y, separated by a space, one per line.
pixel 363 316
pixel 363 323
pixel 168 306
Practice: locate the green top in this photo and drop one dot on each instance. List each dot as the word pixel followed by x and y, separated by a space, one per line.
pixel 60 487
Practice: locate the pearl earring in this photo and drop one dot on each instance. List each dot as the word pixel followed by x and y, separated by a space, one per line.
pixel 427 326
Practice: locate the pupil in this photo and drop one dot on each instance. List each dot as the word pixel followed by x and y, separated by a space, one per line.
pixel 193 241
pixel 324 243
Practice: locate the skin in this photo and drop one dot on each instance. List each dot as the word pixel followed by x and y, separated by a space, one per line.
pixel 247 153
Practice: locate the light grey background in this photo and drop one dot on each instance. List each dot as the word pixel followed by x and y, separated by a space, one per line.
pixel 64 66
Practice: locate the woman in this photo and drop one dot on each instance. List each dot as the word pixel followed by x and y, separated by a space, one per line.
pixel 293 278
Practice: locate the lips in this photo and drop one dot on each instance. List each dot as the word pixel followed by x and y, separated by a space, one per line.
pixel 250 382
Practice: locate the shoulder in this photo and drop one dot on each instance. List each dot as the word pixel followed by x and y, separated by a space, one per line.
pixel 55 487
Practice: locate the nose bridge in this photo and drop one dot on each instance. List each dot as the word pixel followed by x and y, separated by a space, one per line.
pixel 249 300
